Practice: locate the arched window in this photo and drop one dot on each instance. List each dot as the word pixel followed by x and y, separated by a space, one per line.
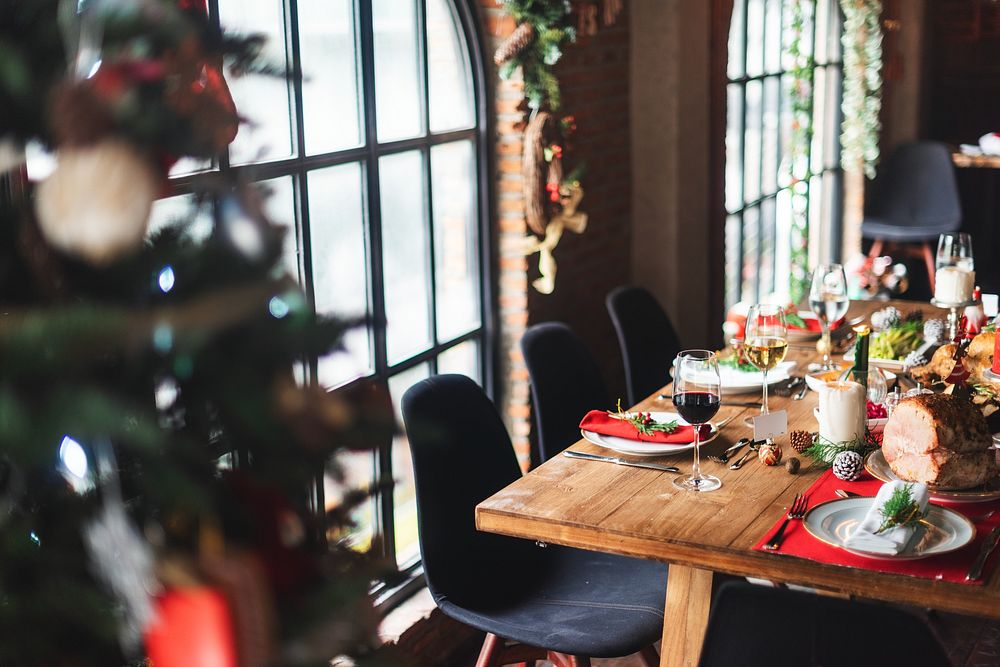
pixel 374 154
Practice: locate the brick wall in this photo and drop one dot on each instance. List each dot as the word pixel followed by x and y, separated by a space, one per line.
pixel 594 74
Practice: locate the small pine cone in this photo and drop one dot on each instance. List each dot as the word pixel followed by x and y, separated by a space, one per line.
pixel 513 45
pixel 934 331
pixel 801 440
pixel 848 466
pixel 885 318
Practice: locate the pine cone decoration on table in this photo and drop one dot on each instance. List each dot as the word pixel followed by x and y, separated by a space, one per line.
pixel 885 318
pixel 934 331
pixel 801 440
pixel 513 45
pixel 848 466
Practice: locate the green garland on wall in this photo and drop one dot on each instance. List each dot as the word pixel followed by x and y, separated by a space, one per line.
pixel 535 46
pixel 800 98
pixel 862 40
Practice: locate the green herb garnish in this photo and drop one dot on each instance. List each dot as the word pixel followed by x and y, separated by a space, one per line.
pixel 901 510
pixel 643 421
pixel 739 363
pixel 823 451
pixel 793 319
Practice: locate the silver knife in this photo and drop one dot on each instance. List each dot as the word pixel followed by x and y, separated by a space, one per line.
pixel 622 462
pixel 976 570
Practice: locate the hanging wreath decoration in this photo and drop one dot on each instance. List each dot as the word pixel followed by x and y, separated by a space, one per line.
pixel 552 199
pixel 862 40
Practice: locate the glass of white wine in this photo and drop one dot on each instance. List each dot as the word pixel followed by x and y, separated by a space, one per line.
pixel 828 300
pixel 765 340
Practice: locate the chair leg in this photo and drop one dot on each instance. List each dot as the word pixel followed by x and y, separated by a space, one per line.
pixel 876 248
pixel 489 656
pixel 649 657
pixel 929 261
pixel 579 661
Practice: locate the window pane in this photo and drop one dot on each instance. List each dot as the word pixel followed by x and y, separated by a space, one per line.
pixel 736 51
pixel 765 268
pixel 405 255
pixel 734 230
pixel 280 209
pixel 264 100
pixel 755 37
pixel 769 148
pixel 329 75
pixel 397 69
pixel 772 51
pixel 734 143
pixel 358 468
pixel 456 243
pixel 751 218
pixel 404 494
pixel 462 359
pixel 751 134
pixel 339 264
pixel 450 81
pixel 180 210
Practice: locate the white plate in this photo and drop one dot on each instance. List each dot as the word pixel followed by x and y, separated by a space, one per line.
pixel 637 448
pixel 878 467
pixel 741 382
pixel 834 521
pixel 887 364
pixel 814 381
pixel 874 425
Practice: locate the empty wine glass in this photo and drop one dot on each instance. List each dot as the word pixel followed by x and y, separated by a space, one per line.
pixel 828 300
pixel 697 392
pixel 955 249
pixel 766 340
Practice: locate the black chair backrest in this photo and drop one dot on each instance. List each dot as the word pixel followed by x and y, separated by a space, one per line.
pixel 647 339
pixel 565 384
pixel 821 631
pixel 916 187
pixel 461 456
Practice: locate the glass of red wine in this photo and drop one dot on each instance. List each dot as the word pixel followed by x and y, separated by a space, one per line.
pixel 697 397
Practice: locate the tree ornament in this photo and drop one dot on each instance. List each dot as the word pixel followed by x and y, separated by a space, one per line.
pixel 518 41
pixel 769 454
pixel 848 465
pixel 193 626
pixel 792 465
pixel 801 440
pixel 96 203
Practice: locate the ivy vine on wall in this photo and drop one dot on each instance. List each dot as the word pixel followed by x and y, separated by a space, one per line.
pixel 862 40
pixel 800 98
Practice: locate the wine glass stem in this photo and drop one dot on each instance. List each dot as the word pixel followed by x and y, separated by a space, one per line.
pixel 826 346
pixel 763 407
pixel 696 467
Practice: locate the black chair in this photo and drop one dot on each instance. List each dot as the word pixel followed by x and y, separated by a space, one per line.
pixel 576 603
pixel 565 385
pixel 647 339
pixel 757 625
pixel 913 199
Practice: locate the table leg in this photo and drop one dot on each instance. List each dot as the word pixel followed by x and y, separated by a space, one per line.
pixel 685 615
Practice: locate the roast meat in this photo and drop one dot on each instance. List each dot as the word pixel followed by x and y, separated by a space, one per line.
pixel 941 440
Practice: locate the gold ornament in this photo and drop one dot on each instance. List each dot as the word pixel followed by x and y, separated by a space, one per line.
pixel 96 203
pixel 568 218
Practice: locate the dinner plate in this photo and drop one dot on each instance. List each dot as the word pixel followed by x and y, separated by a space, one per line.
pixel 735 381
pixel 819 378
pixel 874 425
pixel 638 448
pixel 834 521
pixel 878 467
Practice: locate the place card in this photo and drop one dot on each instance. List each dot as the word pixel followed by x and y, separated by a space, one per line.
pixel 991 304
pixel 770 425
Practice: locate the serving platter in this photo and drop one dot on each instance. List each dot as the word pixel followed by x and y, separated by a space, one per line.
pixel 878 467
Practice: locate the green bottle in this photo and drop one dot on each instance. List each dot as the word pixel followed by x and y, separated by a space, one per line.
pixel 859 372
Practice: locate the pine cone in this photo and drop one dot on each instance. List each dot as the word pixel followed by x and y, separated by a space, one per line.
pixel 934 331
pixel 885 318
pixel 801 440
pixel 914 358
pixel 848 466
pixel 513 45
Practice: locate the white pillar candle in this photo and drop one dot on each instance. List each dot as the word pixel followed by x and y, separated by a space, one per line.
pixel 953 284
pixel 842 411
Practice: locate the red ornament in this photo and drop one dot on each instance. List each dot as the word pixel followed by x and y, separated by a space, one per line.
pixel 193 629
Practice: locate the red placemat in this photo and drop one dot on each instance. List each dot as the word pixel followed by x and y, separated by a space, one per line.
pixel 946 567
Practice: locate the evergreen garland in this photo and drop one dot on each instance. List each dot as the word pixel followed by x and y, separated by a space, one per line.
pixel 552 29
pixel 862 40
pixel 823 451
pixel 799 173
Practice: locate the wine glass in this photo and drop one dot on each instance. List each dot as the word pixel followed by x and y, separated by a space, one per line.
pixel 955 249
pixel 828 300
pixel 697 392
pixel 765 340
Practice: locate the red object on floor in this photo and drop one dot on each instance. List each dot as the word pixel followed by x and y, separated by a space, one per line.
pixel 193 629
pixel 946 567
pixel 601 422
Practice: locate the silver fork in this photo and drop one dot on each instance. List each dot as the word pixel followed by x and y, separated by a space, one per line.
pixel 796 511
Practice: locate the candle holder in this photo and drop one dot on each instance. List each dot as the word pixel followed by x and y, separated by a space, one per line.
pixel 988 374
pixel 954 315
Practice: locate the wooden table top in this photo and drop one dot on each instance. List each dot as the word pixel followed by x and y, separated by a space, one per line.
pixel 638 512
pixel 963 161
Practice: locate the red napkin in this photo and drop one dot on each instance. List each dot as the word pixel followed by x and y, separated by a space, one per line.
pixel 947 567
pixel 601 422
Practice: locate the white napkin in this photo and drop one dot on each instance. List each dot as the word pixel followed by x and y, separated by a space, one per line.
pixel 893 541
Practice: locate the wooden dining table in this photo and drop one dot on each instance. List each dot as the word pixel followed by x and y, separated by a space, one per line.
pixel 638 512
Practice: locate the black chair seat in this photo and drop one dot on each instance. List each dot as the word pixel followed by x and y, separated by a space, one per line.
pixel 876 228
pixel 585 603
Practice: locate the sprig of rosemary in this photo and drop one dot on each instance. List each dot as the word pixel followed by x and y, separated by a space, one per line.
pixel 643 421
pixel 739 363
pixel 793 319
pixel 901 510
pixel 824 451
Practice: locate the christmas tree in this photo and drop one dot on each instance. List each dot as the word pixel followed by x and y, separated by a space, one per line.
pixel 157 447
